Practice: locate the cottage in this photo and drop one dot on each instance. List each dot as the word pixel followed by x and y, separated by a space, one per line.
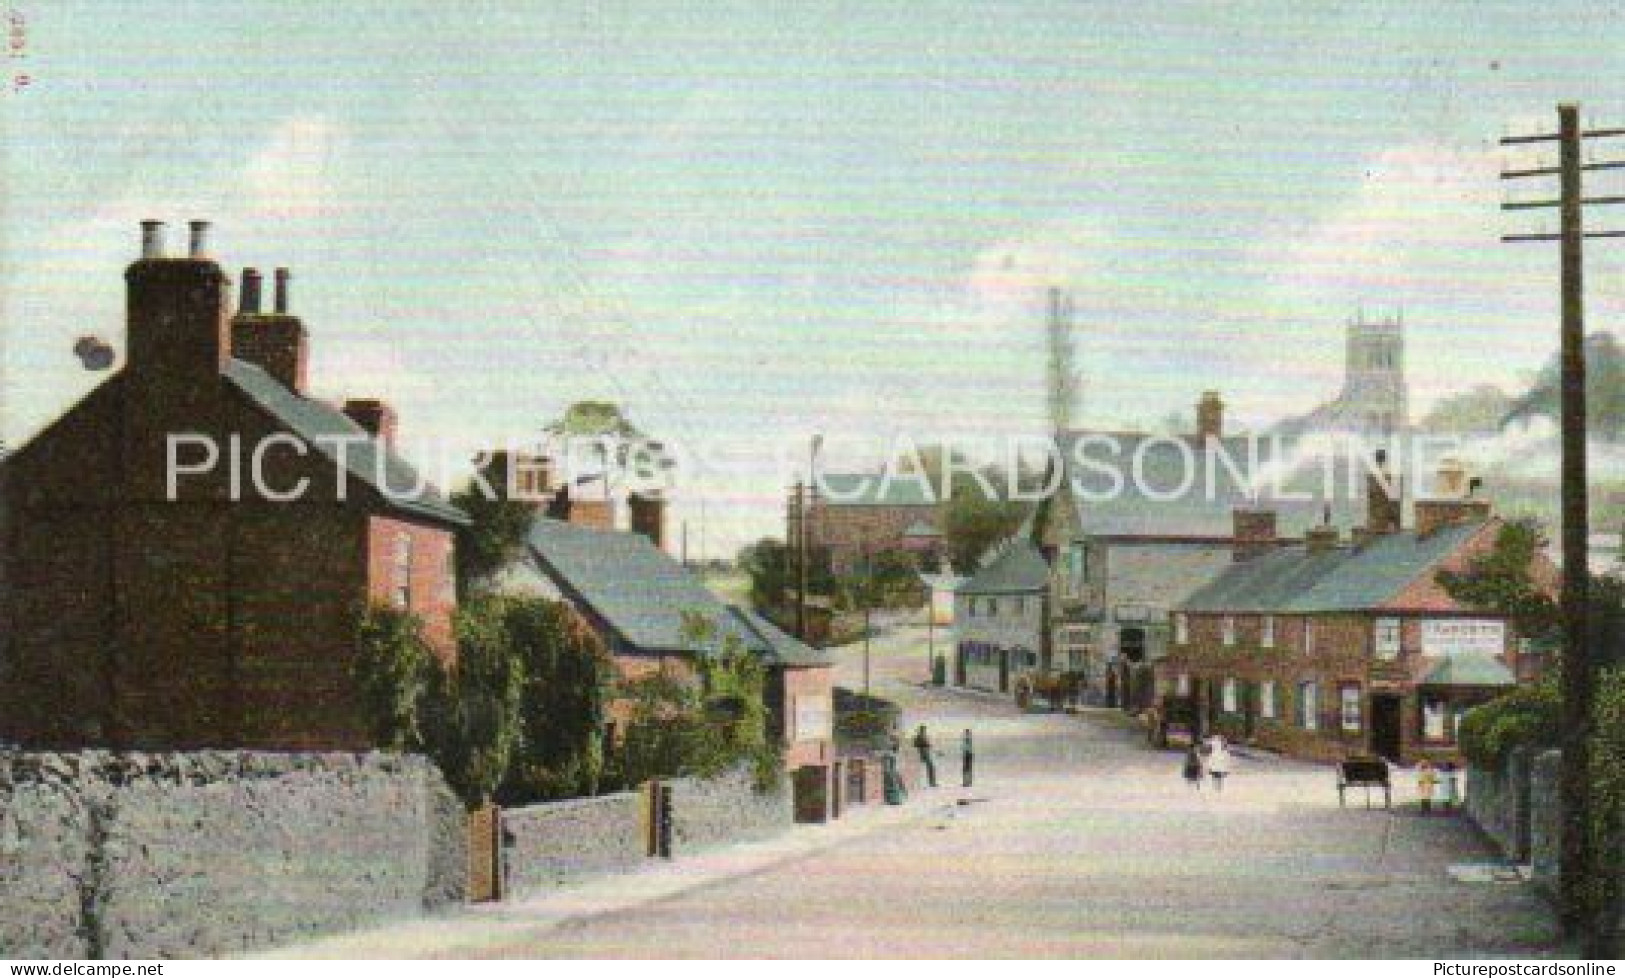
pixel 188 547
pixel 999 618
pixel 641 603
pixel 1332 648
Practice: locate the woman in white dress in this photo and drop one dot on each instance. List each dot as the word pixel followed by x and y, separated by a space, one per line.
pixel 1218 761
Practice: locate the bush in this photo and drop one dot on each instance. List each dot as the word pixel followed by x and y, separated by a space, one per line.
pixel 1528 716
pixel 391 671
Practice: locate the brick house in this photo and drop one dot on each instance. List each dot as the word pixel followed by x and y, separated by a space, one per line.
pixel 1329 648
pixel 1132 530
pixel 157 601
pixel 853 514
pixel 639 601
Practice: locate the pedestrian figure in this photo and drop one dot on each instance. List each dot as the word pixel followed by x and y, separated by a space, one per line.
pixel 1218 761
pixel 1427 782
pixel 1447 786
pixel 968 755
pixel 1193 768
pixel 922 743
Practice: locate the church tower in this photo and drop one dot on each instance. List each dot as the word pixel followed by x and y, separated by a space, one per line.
pixel 1375 398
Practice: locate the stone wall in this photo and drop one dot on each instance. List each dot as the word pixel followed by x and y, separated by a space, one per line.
pixel 564 842
pixel 1536 821
pixel 726 809
pixel 211 854
pixel 1545 818
pixel 1498 803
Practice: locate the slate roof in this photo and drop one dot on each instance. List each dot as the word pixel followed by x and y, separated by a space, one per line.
pixel 318 424
pixel 873 489
pixel 1292 580
pixel 1160 502
pixel 633 587
pixel 921 530
pixel 1469 670
pixel 1017 568
pixel 777 647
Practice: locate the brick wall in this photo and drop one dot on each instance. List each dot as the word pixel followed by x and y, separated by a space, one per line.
pixel 432 594
pixel 807 747
pixel 212 854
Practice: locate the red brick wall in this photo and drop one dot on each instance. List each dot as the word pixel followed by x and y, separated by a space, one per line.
pixel 433 585
pixel 799 683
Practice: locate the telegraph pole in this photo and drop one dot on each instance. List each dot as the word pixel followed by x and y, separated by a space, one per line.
pixel 1580 866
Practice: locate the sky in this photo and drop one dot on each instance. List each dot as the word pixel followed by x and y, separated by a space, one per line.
pixel 749 223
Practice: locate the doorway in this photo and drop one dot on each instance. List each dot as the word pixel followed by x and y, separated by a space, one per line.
pixel 1386 726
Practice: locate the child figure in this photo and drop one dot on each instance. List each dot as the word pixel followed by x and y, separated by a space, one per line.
pixel 1427 782
pixel 1193 768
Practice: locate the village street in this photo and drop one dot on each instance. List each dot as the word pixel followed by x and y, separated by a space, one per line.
pixel 1077 840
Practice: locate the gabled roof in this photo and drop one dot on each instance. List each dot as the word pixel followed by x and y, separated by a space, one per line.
pixel 873 489
pixel 1017 568
pixel 320 424
pixel 633 587
pixel 1291 580
pixel 1163 490
pixel 1469 670
pixel 775 646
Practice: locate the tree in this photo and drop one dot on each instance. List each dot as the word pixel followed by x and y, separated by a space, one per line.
pixel 473 722
pixel 767 563
pixel 493 538
pixel 973 521
pixel 1503 581
pixel 391 671
pixel 567 673
pixel 1605 390
pixel 1475 411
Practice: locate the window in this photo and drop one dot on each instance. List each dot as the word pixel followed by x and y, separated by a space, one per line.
pixel 1308 636
pixel 1349 701
pixel 1077 568
pixel 448 592
pixel 1386 637
pixel 1433 719
pixel 1021 606
pixel 401 592
pixel 1182 629
pixel 1182 686
pixel 1227 629
pixel 993 607
pixel 1266 631
pixel 1308 706
pixel 1228 696
pixel 1266 699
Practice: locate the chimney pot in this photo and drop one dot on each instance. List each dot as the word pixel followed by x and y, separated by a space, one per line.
pixel 1209 416
pixel 283 276
pixel 198 248
pixel 250 302
pixel 152 240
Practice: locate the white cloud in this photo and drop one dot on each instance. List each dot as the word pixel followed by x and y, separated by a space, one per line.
pixel 292 174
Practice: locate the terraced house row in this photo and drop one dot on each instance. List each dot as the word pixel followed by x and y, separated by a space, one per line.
pixel 1343 646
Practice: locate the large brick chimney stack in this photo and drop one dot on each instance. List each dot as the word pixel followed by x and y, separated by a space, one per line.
pixel 648 517
pixel 175 313
pixel 1383 508
pixel 375 417
pixel 277 341
pixel 1254 533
